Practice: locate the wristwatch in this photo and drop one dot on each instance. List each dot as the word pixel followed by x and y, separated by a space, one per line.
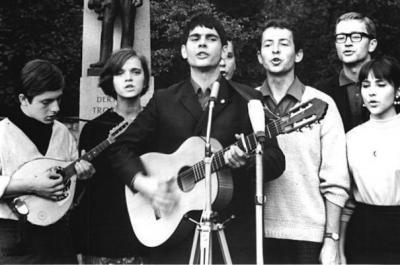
pixel 334 236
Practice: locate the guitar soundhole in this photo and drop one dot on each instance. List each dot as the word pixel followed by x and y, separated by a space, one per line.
pixel 186 179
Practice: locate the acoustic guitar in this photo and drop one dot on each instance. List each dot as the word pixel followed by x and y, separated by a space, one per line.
pixel 41 211
pixel 185 167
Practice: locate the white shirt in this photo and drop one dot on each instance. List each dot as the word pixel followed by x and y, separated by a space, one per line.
pixel 373 150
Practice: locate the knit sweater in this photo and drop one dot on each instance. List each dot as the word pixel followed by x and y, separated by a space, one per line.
pixel 16 149
pixel 316 171
pixel 374 163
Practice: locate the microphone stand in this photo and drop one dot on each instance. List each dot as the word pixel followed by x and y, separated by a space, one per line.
pixel 205 226
pixel 259 199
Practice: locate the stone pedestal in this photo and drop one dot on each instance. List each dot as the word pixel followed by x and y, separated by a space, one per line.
pixel 92 101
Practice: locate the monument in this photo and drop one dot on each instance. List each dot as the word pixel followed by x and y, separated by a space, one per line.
pixel 107 34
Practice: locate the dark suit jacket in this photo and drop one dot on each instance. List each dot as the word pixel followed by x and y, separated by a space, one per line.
pixel 173 115
pixel 331 87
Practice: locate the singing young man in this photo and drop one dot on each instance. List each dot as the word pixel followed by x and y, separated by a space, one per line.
pixel 179 112
pixel 303 206
pixel 228 61
pixel 355 41
pixel 32 132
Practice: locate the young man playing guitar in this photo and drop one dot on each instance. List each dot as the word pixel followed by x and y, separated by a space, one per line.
pixel 179 112
pixel 32 133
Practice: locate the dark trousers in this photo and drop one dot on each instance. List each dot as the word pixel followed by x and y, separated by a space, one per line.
pixel 373 235
pixel 285 251
pixel 30 244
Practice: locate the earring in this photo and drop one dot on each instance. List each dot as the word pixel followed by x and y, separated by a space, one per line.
pixel 364 105
pixel 396 101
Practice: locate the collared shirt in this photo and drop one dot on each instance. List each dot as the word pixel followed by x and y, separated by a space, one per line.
pixel 292 97
pixel 202 95
pixel 354 95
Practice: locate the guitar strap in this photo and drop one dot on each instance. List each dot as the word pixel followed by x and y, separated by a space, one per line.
pixel 268 113
pixel 79 192
pixel 241 92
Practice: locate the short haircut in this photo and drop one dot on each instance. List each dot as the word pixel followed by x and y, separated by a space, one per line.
pixel 284 24
pixel 233 45
pixel 39 76
pixel 204 20
pixel 384 67
pixel 369 24
pixel 114 64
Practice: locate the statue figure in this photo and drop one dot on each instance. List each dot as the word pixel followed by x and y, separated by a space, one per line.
pixel 108 10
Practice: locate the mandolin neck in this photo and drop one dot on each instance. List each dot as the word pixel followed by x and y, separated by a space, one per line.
pixel 70 171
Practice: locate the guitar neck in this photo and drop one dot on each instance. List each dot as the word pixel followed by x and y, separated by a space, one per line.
pixel 69 170
pixel 247 144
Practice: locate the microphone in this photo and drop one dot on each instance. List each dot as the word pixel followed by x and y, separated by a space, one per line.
pixel 257 118
pixel 214 92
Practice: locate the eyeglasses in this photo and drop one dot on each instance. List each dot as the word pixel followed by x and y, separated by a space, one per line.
pixel 354 37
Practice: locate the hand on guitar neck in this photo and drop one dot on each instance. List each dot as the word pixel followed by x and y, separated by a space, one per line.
pixel 161 193
pixel 84 169
pixel 234 157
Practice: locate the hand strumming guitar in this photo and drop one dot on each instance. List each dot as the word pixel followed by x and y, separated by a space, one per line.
pixel 162 194
pixel 49 185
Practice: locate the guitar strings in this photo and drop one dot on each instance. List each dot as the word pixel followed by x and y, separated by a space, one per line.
pixel 198 169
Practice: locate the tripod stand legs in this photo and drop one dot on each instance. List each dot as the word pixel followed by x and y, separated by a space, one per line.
pixel 224 246
pixel 195 252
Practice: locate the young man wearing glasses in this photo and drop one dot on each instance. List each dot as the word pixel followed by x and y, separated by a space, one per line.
pixel 355 41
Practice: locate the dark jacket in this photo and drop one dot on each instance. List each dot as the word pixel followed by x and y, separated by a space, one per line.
pixel 173 115
pixel 331 87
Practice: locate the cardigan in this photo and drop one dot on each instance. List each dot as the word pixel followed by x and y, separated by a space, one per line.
pixel 16 149
pixel 316 170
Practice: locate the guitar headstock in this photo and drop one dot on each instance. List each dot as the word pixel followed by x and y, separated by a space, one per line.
pixel 303 115
pixel 118 130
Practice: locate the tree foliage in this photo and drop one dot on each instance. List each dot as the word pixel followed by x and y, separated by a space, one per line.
pixel 243 20
pixel 52 29
pixel 46 29
pixel 167 21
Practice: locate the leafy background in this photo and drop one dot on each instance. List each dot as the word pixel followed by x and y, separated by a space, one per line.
pixel 52 29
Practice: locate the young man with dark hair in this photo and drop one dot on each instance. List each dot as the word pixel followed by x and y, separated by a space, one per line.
pixel 303 206
pixel 355 41
pixel 32 132
pixel 179 112
pixel 228 61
